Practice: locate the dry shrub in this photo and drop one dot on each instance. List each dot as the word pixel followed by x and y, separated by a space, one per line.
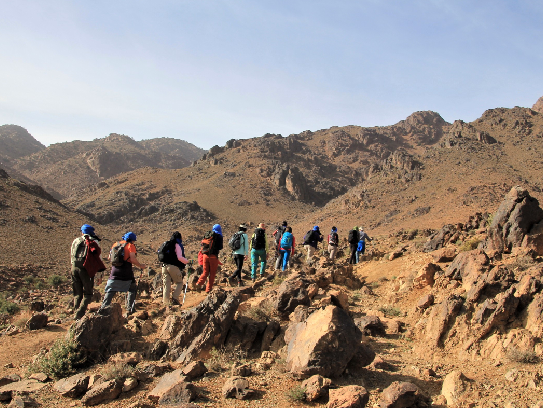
pixel 522 356
pixel 117 371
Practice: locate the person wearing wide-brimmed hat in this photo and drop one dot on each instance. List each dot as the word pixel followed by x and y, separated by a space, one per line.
pixel 240 254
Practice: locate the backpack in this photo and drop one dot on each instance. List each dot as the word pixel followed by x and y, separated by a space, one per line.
pixel 286 240
pixel 116 255
pixel 333 239
pixel 79 252
pixel 207 243
pixel 235 241
pixel 353 237
pixel 166 253
pixel 308 237
pixel 259 239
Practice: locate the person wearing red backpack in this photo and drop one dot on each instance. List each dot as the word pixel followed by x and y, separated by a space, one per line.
pixel 212 244
pixel 85 251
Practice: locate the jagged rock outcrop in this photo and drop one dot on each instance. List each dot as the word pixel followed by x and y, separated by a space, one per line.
pixel 538 106
pixel 516 216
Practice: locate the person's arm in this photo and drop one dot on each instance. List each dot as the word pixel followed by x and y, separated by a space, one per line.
pixel 134 261
pixel 245 244
pixel 179 254
pixel 293 246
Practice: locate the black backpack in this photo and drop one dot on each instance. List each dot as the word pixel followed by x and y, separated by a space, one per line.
pixel 353 237
pixel 279 234
pixel 166 253
pixel 308 237
pixel 235 241
pixel 259 239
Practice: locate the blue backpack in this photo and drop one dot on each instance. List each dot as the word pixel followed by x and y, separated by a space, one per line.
pixel 286 240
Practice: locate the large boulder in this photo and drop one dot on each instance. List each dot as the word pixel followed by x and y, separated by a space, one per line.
pixel 351 396
pixel 440 238
pixel 103 392
pixel 454 385
pixel 534 320
pixel 402 394
pixel 323 344
pixel 516 216
pixel 467 267
pixel 94 332
pixel 204 326
pixel 441 319
pixel 291 293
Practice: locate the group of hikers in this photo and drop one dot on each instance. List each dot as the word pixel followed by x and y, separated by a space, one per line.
pixel 87 264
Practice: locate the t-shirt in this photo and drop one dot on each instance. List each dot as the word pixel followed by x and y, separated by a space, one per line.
pixel 125 271
pixel 129 248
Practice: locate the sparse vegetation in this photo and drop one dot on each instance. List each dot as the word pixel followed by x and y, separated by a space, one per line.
pixel 355 297
pixel 222 359
pixel 259 312
pixel 374 284
pixel 522 356
pixel 296 394
pixel 39 284
pixel 522 263
pixel 117 371
pixel 60 361
pixel 8 307
pixel 489 219
pixel 55 280
pixel 278 280
pixel 390 311
pixel 29 279
pixel 469 244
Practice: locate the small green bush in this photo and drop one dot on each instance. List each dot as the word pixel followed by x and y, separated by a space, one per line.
pixel 29 279
pixel 39 284
pixel 8 307
pixel 296 394
pixel 60 361
pixel 117 371
pixel 55 280
pixel 469 244
pixel 390 311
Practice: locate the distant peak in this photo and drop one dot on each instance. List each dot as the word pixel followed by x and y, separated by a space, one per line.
pixel 115 137
pixel 425 118
pixel 538 106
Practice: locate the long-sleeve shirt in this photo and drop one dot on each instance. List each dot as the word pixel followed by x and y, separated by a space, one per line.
pixel 244 246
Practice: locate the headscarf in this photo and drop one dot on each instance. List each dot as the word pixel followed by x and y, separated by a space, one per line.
pixel 129 236
pixel 217 229
pixel 176 236
pixel 316 228
pixel 87 229
pixel 355 228
pixel 334 230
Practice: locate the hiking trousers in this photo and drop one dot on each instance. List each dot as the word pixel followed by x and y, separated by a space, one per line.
pixel 285 254
pixel 238 259
pixel 171 274
pixel 352 259
pixel 279 260
pixel 258 256
pixel 211 263
pixel 310 252
pixel 114 286
pixel 83 287
pixel 333 251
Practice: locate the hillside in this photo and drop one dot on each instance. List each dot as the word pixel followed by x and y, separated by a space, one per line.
pixel 65 168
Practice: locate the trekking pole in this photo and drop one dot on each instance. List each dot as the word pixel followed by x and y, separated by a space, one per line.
pixel 187 284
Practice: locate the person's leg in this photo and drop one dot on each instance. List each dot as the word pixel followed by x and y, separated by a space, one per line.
pixel 310 252
pixel 77 287
pixel 262 262
pixel 308 258
pixel 286 255
pixel 357 256
pixel 213 265
pixel 88 288
pixel 363 247
pixel 108 297
pixel 352 258
pixel 176 276
pixel 131 298
pixel 253 263
pixel 279 260
pixel 166 285
pixel 239 265
pixel 205 273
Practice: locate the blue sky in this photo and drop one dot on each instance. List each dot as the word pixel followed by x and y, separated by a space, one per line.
pixel 209 71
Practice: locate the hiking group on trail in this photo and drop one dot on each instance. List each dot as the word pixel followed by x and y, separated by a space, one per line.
pixel 87 265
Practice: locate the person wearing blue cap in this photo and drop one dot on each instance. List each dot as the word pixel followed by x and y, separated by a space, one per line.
pixel 311 241
pixel 84 249
pixel 212 244
pixel 121 278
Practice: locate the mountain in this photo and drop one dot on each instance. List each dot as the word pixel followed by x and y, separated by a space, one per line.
pixel 419 173
pixel 65 168
pixel 16 142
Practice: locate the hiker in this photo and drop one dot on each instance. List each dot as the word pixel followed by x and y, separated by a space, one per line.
pixel 240 254
pixel 286 246
pixel 277 234
pixel 361 248
pixel 211 246
pixel 353 239
pixel 86 262
pixel 333 242
pixel 259 250
pixel 311 241
pixel 121 278
pixel 172 270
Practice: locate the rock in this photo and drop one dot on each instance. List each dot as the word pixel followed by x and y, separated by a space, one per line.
pixel 467 267
pixel 425 276
pixel 237 387
pixel 351 396
pixel 8 391
pixel 204 326
pixel 158 349
pixel 324 278
pixel 181 393
pixel 22 401
pixel 194 370
pixel 241 370
pixel 290 294
pixel 441 318
pixel 41 377
pixel 167 382
pixel 402 394
pixel 8 379
pixel 94 332
pixel 125 358
pixel 534 320
pixel 454 385
pixel 269 335
pixel 513 220
pixel 323 344
pixel 363 357
pixel 312 290
pixel 425 301
pixel 370 325
pixel 170 327
pixel 316 387
pixel 103 392
pixel 148 371
pixel 380 364
pixel 129 384
pixel 37 321
pixel 444 254
pixel 243 333
pixel 440 238
pixel 37 306
pixel 74 386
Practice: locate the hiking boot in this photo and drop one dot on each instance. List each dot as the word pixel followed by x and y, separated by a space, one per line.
pixel 175 302
pixel 240 284
pixel 253 279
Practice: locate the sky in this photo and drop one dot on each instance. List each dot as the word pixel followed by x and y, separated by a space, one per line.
pixel 213 70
